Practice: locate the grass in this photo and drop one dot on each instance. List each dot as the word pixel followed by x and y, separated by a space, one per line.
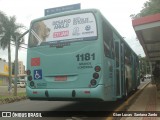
pixel 22 94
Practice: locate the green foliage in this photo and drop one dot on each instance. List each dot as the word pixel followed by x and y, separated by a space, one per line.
pixel 9 31
pixel 144 65
pixel 149 8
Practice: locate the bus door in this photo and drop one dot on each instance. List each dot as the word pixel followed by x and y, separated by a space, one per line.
pixel 118 83
pixel 134 71
pixel 122 64
pixel 135 68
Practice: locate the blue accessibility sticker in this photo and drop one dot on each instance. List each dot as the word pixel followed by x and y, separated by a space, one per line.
pixel 37 74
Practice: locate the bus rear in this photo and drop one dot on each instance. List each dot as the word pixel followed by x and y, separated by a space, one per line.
pixel 63 57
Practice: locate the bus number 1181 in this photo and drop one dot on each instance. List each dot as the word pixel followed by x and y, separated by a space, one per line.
pixel 85 57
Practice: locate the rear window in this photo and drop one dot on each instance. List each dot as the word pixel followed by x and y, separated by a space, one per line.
pixel 71 28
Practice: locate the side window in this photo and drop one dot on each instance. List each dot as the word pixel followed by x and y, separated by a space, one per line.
pixel 108 40
pixel 117 53
pixel 128 56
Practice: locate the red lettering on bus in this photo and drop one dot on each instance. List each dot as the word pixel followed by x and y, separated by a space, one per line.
pixel 60 34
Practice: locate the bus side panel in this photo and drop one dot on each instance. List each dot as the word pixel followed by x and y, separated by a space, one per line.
pixel 108 61
pixel 108 78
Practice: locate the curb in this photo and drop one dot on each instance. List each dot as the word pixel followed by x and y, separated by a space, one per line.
pixel 127 103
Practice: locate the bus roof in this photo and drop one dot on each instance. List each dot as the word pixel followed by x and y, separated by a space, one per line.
pixel 65 13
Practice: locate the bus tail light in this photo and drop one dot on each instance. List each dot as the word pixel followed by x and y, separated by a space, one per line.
pixel 95 75
pixel 31 83
pixel 93 82
pixel 29 78
pixel 28 72
pixel 97 68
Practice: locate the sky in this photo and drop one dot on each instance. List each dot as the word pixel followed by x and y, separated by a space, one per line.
pixel 117 12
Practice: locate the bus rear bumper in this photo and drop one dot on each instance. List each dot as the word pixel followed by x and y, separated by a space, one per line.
pixel 96 93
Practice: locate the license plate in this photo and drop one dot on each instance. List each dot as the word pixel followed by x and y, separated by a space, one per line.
pixel 60 78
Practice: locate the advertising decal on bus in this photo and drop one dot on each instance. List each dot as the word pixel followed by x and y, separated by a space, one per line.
pixel 69 28
pixel 35 61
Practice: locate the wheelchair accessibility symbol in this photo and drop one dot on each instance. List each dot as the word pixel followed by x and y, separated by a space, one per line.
pixel 37 74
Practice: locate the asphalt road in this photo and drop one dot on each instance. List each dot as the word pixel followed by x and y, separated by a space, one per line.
pixel 61 107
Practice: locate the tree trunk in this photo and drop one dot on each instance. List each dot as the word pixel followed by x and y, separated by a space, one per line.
pixel 10 69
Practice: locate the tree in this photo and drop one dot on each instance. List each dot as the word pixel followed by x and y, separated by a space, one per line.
pixel 149 8
pixel 144 65
pixel 9 31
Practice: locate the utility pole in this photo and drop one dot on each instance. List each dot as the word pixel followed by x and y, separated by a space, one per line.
pixel 16 62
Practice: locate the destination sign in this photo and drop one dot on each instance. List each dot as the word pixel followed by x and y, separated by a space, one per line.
pixel 62 9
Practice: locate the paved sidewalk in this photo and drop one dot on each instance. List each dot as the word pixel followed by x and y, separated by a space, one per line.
pixel 148 100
